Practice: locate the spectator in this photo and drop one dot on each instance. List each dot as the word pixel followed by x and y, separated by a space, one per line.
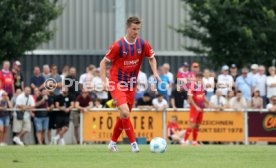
pixel 22 123
pixel 83 104
pixel 46 71
pixel 17 93
pixel 52 114
pixel 271 107
pixel 246 84
pixel 86 78
pixel 217 101
pixel 159 103
pixel 162 88
pixel 145 101
pixel 65 72
pixel 209 83
pixel 141 85
pixel 152 86
pixel 174 132
pixel 194 69
pixel 54 81
pixel 71 82
pixel 170 75
pixel 4 117
pixel 271 83
pixel 37 80
pixel 261 83
pixel 178 98
pixel 7 80
pixel 110 104
pixel 98 103
pixel 256 101
pixel 229 96
pixel 41 118
pixel 234 72
pixel 64 103
pixel 17 76
pixel 1 92
pixel 97 82
pixel 184 76
pixel 254 71
pixel 238 102
pixel 225 81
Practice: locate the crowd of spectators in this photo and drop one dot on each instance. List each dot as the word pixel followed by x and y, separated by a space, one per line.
pixel 48 105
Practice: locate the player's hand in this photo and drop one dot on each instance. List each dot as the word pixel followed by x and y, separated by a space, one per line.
pixel 198 109
pixel 157 77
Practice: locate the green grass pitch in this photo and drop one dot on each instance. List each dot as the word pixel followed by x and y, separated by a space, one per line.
pixel 97 156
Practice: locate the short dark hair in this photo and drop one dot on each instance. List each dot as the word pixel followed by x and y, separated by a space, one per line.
pixel 199 75
pixel 133 19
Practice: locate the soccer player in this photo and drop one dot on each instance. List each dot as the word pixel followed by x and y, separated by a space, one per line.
pixel 126 56
pixel 197 100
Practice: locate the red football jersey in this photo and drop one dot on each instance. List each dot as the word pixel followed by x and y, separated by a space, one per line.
pixel 127 58
pixel 171 126
pixel 197 92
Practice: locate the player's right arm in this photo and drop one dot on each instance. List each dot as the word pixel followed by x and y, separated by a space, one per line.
pixel 110 56
pixel 192 102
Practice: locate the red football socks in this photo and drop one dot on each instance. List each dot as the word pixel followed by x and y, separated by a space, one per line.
pixel 195 133
pixel 187 134
pixel 127 126
pixel 117 130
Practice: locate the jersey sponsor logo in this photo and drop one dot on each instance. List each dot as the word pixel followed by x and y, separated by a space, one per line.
pixel 132 62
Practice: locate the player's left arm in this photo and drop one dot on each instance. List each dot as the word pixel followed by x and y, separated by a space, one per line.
pixel 152 61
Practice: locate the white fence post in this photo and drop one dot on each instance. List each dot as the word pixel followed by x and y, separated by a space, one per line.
pixel 246 127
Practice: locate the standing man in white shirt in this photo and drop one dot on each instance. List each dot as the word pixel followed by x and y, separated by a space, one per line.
pixel 166 67
pixel 21 125
pixel 225 81
pixel 271 83
pixel 261 83
pixel 142 83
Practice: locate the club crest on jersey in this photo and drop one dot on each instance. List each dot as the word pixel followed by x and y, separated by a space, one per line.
pixel 139 51
pixel 125 53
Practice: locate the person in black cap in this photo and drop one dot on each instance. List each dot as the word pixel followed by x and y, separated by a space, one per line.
pixel 234 71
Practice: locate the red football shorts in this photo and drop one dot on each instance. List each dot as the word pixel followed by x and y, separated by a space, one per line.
pixel 123 97
pixel 195 116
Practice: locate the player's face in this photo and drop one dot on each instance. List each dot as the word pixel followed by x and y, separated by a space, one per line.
pixel 133 30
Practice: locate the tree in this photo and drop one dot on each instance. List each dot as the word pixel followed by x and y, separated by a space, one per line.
pixel 24 24
pixel 233 31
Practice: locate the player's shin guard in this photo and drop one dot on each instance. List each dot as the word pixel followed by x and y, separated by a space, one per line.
pixel 128 129
pixel 195 133
pixel 117 130
pixel 187 134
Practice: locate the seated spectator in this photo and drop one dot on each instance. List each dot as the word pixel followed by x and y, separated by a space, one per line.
pixel 238 102
pixel 110 104
pixel 174 132
pixel 246 84
pixel 98 103
pixel 256 101
pixel 4 118
pixel 179 96
pixel 37 80
pixel 159 103
pixel 41 120
pixel 145 101
pixel 229 96
pixel 83 104
pixel 22 123
pixel 271 107
pixel 217 101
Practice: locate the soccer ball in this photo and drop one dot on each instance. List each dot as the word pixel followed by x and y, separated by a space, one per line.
pixel 158 145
